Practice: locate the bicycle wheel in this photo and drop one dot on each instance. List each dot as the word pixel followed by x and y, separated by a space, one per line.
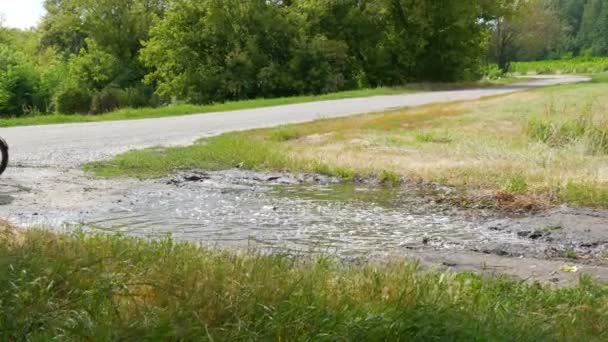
pixel 3 155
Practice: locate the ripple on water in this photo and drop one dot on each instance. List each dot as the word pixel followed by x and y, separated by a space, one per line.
pixel 336 219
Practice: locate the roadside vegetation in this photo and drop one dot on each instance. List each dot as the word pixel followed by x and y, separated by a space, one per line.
pixel 105 287
pixel 543 147
pixel 185 109
pixel 579 65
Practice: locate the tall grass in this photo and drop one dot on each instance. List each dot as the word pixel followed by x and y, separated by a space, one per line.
pixel 579 65
pixel 589 129
pixel 100 287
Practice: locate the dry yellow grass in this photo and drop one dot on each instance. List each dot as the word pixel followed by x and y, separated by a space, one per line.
pixel 550 143
pixel 478 144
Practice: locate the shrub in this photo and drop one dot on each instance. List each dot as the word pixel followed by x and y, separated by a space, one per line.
pixel 493 72
pixel 106 101
pixel 19 84
pixel 137 97
pixel 72 101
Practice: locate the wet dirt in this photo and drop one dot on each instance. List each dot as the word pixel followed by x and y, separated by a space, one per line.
pixel 313 214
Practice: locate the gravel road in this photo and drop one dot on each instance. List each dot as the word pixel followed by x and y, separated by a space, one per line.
pixel 69 145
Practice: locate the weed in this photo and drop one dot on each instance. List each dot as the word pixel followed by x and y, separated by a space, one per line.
pixel 553 227
pixel 285 133
pixel 343 172
pixel 587 129
pixel 322 169
pixel 570 254
pixel 430 137
pixel 517 185
pixel 389 177
pixel 585 194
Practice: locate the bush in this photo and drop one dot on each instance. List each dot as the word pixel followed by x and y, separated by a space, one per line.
pixel 493 72
pixel 73 101
pixel 139 96
pixel 19 84
pixel 106 101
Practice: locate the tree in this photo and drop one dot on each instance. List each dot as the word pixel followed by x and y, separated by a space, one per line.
pixel 540 31
pixel 117 26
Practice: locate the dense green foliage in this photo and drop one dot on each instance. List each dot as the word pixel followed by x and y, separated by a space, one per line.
pixel 584 27
pixel 83 287
pixel 577 65
pixel 310 46
pixel 93 56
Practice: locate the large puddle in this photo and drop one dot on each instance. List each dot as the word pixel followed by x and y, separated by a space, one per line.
pixel 279 214
pixel 285 213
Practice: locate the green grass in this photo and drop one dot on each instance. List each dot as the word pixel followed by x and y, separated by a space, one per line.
pixel 583 193
pixel 548 145
pixel 577 65
pixel 587 130
pixel 218 153
pixel 107 287
pixel 184 109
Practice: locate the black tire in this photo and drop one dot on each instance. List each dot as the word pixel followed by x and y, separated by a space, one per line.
pixel 4 155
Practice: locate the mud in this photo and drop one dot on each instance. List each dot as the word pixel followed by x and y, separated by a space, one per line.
pixel 313 214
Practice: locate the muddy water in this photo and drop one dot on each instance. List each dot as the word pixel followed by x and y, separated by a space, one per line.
pixel 304 213
pixel 288 213
pixel 333 219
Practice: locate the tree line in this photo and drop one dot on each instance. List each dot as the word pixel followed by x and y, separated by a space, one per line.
pixel 94 56
pixel 550 29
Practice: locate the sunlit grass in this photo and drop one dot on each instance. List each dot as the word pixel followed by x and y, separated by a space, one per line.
pixel 544 143
pixel 107 287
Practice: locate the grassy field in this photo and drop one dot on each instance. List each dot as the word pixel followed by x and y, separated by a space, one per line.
pixel 185 109
pixel 578 65
pixel 545 146
pixel 102 287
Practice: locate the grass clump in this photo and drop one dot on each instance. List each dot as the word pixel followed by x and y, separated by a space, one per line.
pixel 285 133
pixel 591 132
pixel 82 287
pixel 431 137
pixel 570 254
pixel 585 194
pixel 517 184
pixel 218 153
pixel 390 177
